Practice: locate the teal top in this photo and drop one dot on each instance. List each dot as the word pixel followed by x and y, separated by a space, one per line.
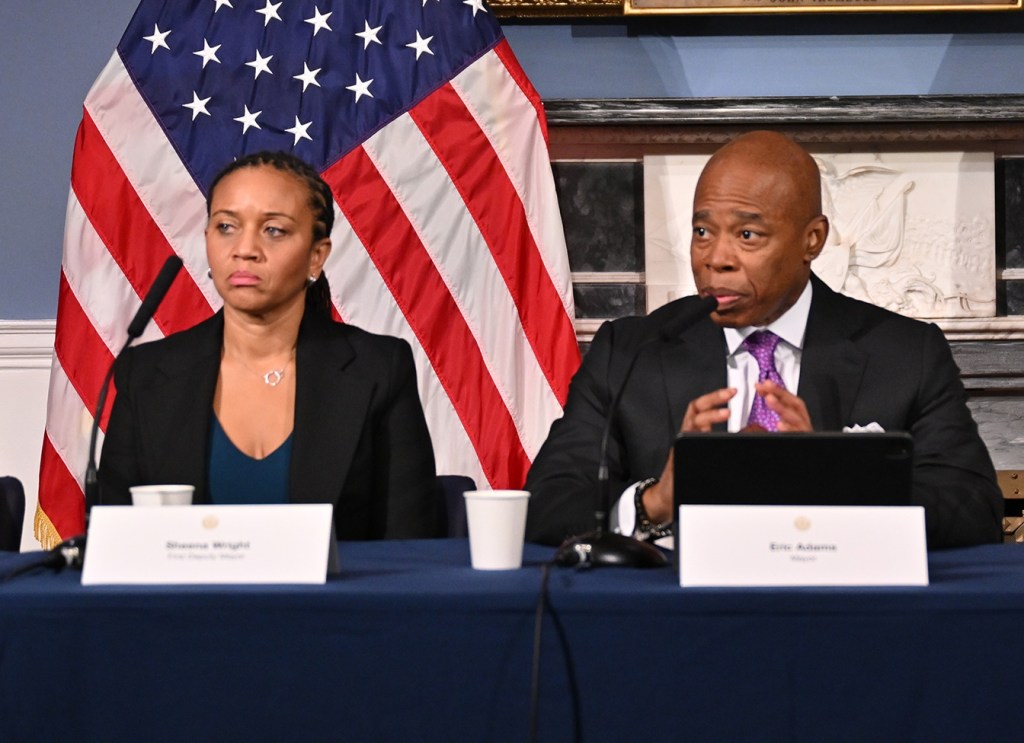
pixel 236 478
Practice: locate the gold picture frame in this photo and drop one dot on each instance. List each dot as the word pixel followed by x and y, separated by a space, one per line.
pixel 556 8
pixel 689 7
pixel 613 8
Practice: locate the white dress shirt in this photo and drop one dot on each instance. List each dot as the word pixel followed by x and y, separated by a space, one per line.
pixel 741 373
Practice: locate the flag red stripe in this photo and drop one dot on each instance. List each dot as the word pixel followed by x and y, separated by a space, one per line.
pixel 83 355
pixel 474 168
pixel 127 229
pixel 508 58
pixel 393 245
pixel 60 495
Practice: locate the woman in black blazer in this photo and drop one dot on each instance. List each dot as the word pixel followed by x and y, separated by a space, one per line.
pixel 270 400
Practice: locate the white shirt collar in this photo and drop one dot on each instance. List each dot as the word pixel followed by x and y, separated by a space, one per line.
pixel 790 327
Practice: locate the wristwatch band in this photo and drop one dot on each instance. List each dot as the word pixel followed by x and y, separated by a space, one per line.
pixel 644 529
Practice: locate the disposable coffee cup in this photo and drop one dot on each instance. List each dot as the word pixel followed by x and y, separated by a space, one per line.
pixel 162 495
pixel 497 527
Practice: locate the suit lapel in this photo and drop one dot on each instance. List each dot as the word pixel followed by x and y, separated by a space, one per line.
pixel 328 390
pixel 692 366
pixel 831 365
pixel 184 399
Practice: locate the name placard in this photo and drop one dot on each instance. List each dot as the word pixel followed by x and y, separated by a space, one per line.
pixel 208 544
pixel 801 546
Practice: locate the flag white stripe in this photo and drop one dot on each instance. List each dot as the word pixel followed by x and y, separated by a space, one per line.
pixel 446 228
pixel 105 295
pixel 363 299
pixel 68 423
pixel 150 163
pixel 499 106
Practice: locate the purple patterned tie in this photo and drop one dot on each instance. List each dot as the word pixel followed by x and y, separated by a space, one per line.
pixel 761 345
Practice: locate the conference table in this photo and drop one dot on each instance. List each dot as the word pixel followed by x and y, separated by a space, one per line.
pixel 409 643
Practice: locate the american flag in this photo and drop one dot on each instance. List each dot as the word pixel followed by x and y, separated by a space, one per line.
pixel 420 118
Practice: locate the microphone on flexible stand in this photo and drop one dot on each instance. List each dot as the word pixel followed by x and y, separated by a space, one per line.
pixel 155 295
pixel 71 552
pixel 602 547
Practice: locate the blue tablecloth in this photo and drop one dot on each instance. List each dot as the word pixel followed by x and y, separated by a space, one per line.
pixel 410 644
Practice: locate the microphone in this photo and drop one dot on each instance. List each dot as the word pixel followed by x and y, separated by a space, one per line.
pixel 157 291
pixel 153 298
pixel 601 547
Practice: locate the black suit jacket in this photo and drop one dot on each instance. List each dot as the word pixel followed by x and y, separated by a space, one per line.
pixel 360 440
pixel 860 364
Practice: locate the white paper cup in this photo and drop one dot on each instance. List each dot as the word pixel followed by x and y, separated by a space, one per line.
pixel 162 495
pixel 497 527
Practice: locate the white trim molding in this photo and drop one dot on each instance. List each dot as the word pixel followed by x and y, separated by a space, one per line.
pixel 26 352
pixel 1009 328
pixel 609 277
pixel 26 344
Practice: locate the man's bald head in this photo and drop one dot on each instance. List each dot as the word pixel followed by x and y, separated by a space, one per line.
pixel 757 225
pixel 775 153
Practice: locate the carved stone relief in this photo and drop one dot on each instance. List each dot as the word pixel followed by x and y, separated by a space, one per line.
pixel 912 232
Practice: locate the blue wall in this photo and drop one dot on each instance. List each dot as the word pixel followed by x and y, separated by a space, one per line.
pixel 53 49
pixel 51 52
pixel 623 61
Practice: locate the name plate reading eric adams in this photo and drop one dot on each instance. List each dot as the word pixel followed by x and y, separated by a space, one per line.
pixel 801 546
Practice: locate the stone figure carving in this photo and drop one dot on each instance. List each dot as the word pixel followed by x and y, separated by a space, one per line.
pixel 948 268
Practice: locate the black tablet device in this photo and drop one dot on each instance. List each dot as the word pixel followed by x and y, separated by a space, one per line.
pixel 824 469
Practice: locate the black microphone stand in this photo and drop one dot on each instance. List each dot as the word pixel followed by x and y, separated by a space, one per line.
pixel 161 284
pixel 71 552
pixel 91 471
pixel 600 546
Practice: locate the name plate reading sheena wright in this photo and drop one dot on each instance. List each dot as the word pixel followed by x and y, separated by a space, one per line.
pixel 208 544
pixel 801 546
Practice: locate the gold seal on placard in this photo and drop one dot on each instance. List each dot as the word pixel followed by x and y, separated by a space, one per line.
pixel 802 523
pixel 210 522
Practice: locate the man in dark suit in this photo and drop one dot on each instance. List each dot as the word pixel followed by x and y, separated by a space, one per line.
pixel 826 362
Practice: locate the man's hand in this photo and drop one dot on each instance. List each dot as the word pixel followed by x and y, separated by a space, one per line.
pixel 701 414
pixel 707 410
pixel 793 415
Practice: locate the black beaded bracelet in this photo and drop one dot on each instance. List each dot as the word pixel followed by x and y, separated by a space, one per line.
pixel 644 529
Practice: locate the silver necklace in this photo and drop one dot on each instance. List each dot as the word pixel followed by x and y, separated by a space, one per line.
pixel 271 378
pixel 274 377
